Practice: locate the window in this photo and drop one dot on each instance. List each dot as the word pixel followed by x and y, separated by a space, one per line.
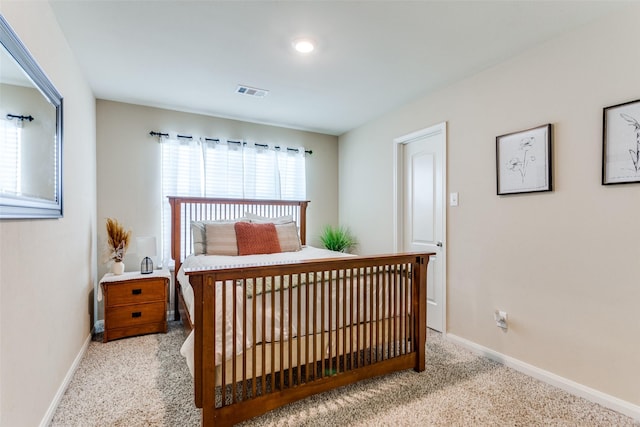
pixel 10 162
pixel 229 169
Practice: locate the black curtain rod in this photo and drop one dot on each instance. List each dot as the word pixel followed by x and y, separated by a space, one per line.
pixel 152 133
pixel 13 116
pixel 278 148
pixel 160 134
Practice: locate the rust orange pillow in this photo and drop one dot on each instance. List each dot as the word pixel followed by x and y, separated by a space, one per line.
pixel 256 239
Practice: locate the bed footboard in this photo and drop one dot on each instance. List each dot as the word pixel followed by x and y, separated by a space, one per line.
pixel 340 321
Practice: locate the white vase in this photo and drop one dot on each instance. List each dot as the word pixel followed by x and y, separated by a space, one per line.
pixel 117 267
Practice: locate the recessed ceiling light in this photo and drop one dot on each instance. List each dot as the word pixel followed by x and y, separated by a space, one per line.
pixel 303 45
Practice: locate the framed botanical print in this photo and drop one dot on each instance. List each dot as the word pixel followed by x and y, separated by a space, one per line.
pixel 621 143
pixel 523 161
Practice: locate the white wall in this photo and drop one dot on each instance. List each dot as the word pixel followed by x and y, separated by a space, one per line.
pixel 564 265
pixel 47 267
pixel 129 166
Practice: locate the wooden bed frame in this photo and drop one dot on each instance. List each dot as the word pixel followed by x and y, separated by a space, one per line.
pixel 379 328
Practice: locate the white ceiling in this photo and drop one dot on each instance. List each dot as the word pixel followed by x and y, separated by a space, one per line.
pixel 372 56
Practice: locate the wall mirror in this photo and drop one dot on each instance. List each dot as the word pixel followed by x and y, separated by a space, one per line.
pixel 30 134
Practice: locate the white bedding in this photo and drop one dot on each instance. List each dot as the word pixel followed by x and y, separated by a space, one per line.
pixel 334 296
pixel 221 261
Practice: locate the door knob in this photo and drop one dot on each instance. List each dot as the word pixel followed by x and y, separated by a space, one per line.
pixel 439 244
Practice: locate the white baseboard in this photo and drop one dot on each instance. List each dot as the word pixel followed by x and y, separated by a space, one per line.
pixel 46 420
pixel 606 400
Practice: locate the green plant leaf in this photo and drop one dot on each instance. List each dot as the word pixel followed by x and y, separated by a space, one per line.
pixel 337 239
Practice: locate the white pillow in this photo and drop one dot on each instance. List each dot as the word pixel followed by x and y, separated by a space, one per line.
pixel 263 219
pixel 198 237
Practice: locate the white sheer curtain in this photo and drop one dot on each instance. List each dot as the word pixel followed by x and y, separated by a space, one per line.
pixel 292 172
pixel 219 168
pixel 260 172
pixel 223 169
pixel 181 175
pixel 10 162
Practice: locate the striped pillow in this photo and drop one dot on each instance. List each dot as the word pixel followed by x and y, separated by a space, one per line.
pixel 221 238
pixel 288 237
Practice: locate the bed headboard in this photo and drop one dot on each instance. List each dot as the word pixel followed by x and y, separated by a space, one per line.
pixel 184 210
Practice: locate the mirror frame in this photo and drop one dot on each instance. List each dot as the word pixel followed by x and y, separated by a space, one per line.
pixel 12 207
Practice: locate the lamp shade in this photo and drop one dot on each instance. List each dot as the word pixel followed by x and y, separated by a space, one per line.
pixel 146 246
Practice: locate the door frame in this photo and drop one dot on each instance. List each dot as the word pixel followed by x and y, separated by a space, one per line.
pixel 398 190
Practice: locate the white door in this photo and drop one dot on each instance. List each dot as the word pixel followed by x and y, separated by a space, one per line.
pixel 422 210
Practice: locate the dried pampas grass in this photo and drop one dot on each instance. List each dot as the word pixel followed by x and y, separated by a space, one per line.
pixel 117 239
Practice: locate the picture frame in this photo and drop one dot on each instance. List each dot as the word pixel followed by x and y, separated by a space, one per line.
pixel 621 143
pixel 524 161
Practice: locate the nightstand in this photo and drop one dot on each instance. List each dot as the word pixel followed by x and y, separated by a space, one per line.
pixel 134 303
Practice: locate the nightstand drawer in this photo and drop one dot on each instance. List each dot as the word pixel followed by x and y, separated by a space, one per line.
pixel 129 315
pixel 136 291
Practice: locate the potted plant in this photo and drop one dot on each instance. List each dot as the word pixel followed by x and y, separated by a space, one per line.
pixel 117 244
pixel 337 239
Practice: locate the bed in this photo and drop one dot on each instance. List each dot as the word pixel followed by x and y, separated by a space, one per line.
pixel 266 329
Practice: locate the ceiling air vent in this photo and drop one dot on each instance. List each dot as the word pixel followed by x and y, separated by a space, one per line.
pixel 251 91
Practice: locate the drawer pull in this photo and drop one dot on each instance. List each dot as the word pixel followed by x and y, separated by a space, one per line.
pixel 136 291
pixel 136 314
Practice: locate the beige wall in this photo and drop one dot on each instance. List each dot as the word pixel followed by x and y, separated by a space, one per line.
pixel 129 165
pixel 564 265
pixel 47 267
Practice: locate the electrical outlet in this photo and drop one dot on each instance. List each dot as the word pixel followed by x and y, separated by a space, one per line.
pixel 501 319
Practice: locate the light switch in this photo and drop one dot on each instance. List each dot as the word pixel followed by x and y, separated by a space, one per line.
pixel 453 199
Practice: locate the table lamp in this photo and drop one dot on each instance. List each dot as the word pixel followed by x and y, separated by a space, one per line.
pixel 146 249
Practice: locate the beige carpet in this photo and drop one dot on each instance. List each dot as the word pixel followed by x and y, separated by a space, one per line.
pixel 144 381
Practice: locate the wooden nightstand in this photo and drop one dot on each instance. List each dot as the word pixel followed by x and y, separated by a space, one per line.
pixel 134 304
